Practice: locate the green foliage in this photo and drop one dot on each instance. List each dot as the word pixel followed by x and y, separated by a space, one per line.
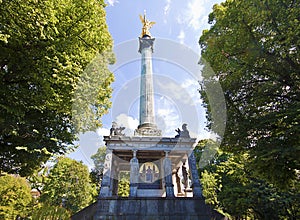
pixel 231 187
pixel 210 188
pixel 99 158
pixel 97 172
pixel 69 185
pixel 123 185
pixel 45 47
pixel 38 179
pixel 252 51
pixel 49 212
pixel 206 151
pixel 15 197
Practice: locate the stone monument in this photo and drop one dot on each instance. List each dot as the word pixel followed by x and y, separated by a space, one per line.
pixel 160 185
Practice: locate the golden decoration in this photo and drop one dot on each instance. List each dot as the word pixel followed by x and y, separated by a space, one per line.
pixel 146 25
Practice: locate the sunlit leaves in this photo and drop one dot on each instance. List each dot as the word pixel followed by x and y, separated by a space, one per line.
pixel 68 185
pixel 15 197
pixel 45 47
pixel 255 57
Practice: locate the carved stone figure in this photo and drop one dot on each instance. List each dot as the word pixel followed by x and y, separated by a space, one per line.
pixel 183 133
pixel 185 176
pixel 115 130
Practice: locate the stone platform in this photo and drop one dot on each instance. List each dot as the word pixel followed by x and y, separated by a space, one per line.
pixel 148 209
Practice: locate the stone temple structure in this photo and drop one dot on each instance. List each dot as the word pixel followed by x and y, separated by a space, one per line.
pixel 164 182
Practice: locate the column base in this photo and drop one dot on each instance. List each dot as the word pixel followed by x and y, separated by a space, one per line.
pixel 147 129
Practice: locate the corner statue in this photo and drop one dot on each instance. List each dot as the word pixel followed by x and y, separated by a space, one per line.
pixel 146 25
pixel 182 133
pixel 115 130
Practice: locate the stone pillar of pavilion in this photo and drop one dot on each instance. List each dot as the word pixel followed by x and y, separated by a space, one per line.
pixel 134 175
pixel 196 186
pixel 106 183
pixel 168 176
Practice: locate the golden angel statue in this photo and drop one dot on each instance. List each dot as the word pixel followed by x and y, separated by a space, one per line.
pixel 146 25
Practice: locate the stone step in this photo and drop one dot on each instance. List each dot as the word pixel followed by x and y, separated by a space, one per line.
pixel 148 209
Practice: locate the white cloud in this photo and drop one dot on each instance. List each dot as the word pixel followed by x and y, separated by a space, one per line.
pixel 167 116
pixel 112 2
pixel 167 7
pixel 167 10
pixel 184 93
pixel 195 12
pixel 181 37
pixel 122 120
pixel 192 86
pixel 103 131
pixel 128 122
pixel 180 20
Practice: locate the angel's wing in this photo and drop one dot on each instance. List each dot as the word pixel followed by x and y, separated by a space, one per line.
pixel 142 19
pixel 151 24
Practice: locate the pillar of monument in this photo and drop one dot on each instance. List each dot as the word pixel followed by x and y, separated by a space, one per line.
pixel 134 175
pixel 168 176
pixel 147 125
pixel 196 186
pixel 106 190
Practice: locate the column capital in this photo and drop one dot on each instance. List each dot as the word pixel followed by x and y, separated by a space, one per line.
pixel 167 153
pixel 146 42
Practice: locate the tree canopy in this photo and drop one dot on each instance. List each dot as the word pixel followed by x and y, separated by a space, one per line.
pixel 96 173
pixel 253 50
pixel 68 185
pixel 15 197
pixel 45 47
pixel 233 188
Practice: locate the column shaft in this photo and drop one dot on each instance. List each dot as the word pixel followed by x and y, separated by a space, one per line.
pixel 168 176
pixel 197 191
pixel 134 175
pixel 105 190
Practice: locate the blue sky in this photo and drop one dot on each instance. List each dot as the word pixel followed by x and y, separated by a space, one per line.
pixel 178 27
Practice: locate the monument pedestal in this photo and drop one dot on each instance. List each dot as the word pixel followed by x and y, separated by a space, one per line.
pixel 149 209
pixel 149 200
pixel 153 162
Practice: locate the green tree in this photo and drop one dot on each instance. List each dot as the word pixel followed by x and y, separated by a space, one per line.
pixel 69 185
pixel 253 50
pixel 45 46
pixel 230 186
pixel 99 158
pixel 97 172
pixel 15 197
pixel 45 211
pixel 124 184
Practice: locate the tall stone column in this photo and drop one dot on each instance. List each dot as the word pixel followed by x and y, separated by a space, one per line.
pixel 197 191
pixel 147 125
pixel 105 190
pixel 134 175
pixel 168 176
